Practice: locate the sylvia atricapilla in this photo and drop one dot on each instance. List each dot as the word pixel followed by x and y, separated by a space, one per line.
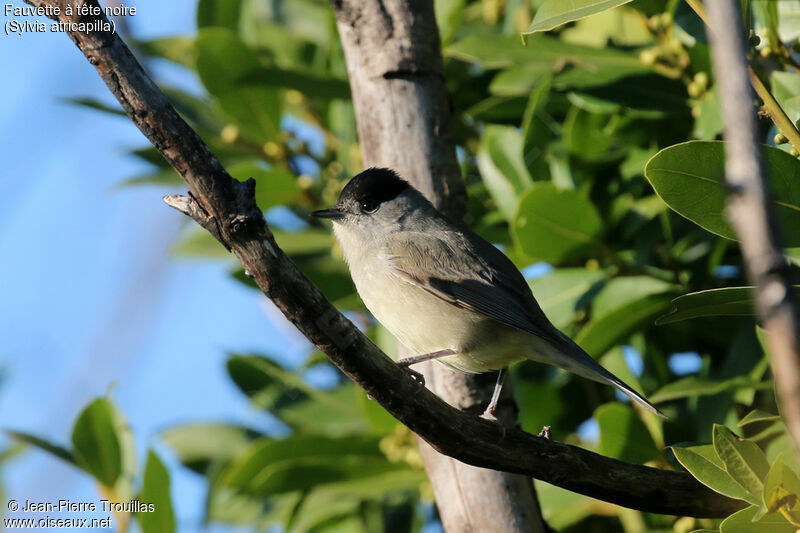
pixel 444 292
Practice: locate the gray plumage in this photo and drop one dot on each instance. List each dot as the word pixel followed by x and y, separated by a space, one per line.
pixel 437 286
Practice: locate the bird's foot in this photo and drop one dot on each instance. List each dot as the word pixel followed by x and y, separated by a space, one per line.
pixel 488 414
pixel 416 376
pixel 545 432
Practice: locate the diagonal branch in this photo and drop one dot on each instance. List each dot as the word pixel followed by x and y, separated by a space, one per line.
pixel 749 208
pixel 227 208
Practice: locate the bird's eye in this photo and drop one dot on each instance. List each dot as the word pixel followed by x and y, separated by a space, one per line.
pixel 369 206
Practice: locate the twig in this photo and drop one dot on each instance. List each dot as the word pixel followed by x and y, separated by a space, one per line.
pixel 749 209
pixel 452 432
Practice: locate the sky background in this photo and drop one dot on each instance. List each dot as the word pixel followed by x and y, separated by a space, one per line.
pixel 90 297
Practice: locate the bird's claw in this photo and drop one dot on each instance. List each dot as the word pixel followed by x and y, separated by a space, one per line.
pixel 416 376
pixel 545 432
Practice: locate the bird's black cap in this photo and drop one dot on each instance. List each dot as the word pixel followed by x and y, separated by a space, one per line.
pixel 373 187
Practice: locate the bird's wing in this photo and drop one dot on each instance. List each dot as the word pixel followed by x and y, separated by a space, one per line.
pixel 468 272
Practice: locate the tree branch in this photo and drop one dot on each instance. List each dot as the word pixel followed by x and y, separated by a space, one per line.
pixel 749 208
pixel 229 206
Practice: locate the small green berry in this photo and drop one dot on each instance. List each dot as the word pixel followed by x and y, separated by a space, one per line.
pixel 694 89
pixel 654 23
pixel 780 138
pixel 648 57
pixel 794 152
pixel 701 79
pixel 754 41
pixel 666 19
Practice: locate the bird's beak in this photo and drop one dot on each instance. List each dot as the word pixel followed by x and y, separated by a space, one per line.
pixel 328 213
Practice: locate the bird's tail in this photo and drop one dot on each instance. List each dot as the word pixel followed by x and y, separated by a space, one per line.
pixel 577 361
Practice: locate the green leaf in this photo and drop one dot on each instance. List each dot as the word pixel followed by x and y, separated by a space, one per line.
pixel 503 168
pixel 199 445
pixel 564 291
pixel 744 460
pixel 224 13
pixel 756 415
pixel 156 491
pixel 555 225
pixel 692 386
pixel 553 13
pixel 96 443
pixel 275 186
pixel 727 301
pixel 623 435
pixel 690 178
pixel 224 63
pixel 45 445
pixel 742 522
pixel 781 487
pixel 704 464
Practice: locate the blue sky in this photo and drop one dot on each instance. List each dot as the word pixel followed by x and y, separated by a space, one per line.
pixel 90 297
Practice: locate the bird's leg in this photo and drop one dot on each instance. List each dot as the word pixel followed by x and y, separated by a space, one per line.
pixel 414 359
pixel 498 387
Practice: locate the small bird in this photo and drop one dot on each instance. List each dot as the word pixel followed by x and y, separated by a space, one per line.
pixel 444 292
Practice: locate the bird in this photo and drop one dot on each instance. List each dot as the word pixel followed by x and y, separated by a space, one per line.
pixel 443 291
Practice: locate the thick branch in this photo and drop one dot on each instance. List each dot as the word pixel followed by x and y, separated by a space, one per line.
pixel 461 435
pixel 749 208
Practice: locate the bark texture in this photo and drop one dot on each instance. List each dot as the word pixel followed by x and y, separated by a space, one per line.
pixel 749 208
pixel 394 64
pixel 227 208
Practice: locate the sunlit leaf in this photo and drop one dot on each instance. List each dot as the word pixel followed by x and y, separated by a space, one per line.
pixel 743 459
pixel 552 13
pixel 704 464
pixel 742 522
